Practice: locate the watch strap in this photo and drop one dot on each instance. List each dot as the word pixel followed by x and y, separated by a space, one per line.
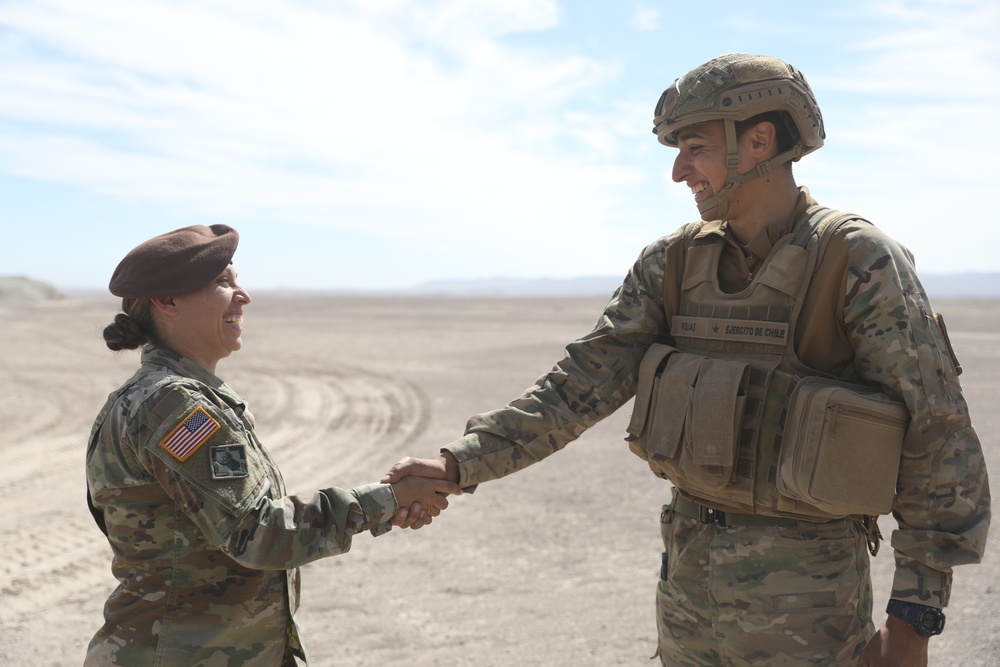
pixel 928 621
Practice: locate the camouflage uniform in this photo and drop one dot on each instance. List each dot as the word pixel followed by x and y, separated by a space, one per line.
pixel 751 594
pixel 205 541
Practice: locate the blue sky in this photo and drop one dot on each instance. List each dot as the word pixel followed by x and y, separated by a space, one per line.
pixel 386 143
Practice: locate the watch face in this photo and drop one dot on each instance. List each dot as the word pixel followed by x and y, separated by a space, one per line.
pixel 930 620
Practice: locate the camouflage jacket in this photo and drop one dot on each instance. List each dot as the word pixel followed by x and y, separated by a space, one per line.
pixel 866 315
pixel 206 543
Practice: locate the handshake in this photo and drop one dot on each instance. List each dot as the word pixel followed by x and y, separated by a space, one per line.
pixel 422 487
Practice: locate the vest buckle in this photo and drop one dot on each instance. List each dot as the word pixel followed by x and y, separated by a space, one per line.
pixel 708 515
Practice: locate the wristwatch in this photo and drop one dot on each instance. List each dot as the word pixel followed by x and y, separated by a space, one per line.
pixel 929 621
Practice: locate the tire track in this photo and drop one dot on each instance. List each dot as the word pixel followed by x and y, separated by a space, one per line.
pixel 334 422
pixel 55 380
pixel 48 561
pixel 33 409
pixel 46 430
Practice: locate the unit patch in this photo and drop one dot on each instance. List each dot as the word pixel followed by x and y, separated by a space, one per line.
pixel 229 462
pixel 184 440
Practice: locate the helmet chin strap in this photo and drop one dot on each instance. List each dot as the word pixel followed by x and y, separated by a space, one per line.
pixel 735 179
pixel 719 201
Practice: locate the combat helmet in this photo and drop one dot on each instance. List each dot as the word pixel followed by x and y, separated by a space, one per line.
pixel 735 87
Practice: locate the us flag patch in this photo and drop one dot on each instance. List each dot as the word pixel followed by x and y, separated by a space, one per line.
pixel 189 436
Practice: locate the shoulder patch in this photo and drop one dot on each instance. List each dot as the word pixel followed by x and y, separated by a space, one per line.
pixel 185 440
pixel 229 461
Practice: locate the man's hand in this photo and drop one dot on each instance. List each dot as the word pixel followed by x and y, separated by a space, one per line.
pixel 429 496
pixel 415 515
pixel 444 466
pixel 896 644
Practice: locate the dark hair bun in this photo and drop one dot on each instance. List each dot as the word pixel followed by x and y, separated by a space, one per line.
pixel 124 334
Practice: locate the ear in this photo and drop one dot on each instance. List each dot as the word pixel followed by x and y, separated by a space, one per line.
pixel 763 140
pixel 165 304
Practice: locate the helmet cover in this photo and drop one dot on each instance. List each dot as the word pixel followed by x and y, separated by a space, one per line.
pixel 738 86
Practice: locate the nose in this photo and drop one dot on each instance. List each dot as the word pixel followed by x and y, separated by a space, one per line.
pixel 681 168
pixel 242 295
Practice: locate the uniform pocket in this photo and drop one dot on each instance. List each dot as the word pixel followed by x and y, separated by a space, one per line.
pixel 817 589
pixel 842 448
pixel 715 417
pixel 672 404
pixel 792 602
pixel 688 416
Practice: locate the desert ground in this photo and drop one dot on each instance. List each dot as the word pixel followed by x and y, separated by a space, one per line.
pixel 554 566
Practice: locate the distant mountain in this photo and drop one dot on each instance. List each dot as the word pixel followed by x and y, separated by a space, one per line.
pixel 938 286
pixel 962 285
pixel 522 287
pixel 21 288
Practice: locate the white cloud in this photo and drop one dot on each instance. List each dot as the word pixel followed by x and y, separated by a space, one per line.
pixel 490 126
pixel 646 19
pixel 917 103
pixel 403 117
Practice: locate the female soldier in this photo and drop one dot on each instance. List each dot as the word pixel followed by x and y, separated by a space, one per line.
pixel 206 542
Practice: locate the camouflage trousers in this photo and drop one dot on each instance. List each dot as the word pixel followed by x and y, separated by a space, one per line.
pixel 798 594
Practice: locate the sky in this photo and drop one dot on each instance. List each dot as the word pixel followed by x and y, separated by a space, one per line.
pixel 383 144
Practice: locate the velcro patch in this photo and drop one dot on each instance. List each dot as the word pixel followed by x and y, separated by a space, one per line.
pixel 185 440
pixel 229 462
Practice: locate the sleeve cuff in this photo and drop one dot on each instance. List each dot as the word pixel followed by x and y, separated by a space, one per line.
pixel 378 503
pixel 465 450
pixel 922 585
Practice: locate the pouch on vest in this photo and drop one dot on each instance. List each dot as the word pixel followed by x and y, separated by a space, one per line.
pixel 683 399
pixel 839 442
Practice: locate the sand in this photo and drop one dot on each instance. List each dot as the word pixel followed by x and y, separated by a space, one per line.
pixel 556 565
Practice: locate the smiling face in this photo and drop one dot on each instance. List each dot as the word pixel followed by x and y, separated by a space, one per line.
pixel 206 324
pixel 701 161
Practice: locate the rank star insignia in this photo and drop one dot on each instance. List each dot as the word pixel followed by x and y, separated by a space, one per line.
pixel 229 462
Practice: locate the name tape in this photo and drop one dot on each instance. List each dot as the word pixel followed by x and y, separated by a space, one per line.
pixel 754 331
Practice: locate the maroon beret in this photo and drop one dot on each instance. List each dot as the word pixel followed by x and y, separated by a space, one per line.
pixel 176 262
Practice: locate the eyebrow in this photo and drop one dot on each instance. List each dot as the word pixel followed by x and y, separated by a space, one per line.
pixel 684 135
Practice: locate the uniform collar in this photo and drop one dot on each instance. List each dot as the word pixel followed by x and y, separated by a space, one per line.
pixel 154 355
pixel 760 245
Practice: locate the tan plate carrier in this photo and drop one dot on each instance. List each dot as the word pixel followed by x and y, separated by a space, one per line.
pixel 737 422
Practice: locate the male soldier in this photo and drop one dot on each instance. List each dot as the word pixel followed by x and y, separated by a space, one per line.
pixel 791 381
